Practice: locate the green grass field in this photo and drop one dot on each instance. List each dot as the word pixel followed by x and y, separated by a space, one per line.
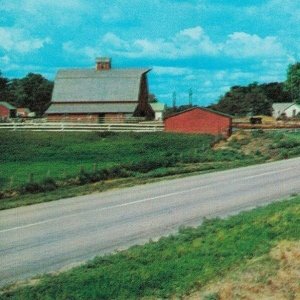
pixel 62 155
pixel 177 264
pixel 43 166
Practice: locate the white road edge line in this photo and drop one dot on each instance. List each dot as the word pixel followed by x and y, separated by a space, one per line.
pixel 135 202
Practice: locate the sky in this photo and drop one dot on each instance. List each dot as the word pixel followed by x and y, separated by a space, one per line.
pixel 204 45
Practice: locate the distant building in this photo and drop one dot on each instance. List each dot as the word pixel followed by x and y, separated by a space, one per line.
pixel 199 120
pixel 288 109
pixel 7 110
pixel 101 94
pixel 23 112
pixel 158 109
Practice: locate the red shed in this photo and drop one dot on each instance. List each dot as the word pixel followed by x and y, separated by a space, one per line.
pixel 7 110
pixel 199 120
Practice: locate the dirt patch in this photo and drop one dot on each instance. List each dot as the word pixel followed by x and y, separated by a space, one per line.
pixel 276 276
pixel 245 142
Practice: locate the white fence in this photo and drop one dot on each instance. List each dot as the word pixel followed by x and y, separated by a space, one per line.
pixel 116 127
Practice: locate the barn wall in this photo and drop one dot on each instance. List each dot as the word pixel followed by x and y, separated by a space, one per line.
pixel 114 117
pixel 74 118
pixel 199 121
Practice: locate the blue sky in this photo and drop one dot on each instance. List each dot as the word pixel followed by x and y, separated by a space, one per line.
pixel 205 45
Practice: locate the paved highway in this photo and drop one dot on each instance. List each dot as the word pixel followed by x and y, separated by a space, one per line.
pixel 51 236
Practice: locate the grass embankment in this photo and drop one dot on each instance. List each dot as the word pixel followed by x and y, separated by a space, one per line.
pixel 179 265
pixel 39 166
pixel 57 165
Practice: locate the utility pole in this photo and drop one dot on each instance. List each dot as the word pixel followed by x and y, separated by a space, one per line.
pixel 174 100
pixel 190 97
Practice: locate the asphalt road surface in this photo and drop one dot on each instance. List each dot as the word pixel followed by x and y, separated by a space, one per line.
pixel 51 236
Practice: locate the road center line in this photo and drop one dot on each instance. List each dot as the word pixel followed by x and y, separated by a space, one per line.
pixel 136 202
pixel 106 208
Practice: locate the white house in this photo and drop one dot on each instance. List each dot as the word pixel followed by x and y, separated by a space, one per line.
pixel 289 109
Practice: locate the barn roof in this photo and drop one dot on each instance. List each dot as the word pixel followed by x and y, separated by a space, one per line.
pixel 201 108
pixel 7 105
pixel 88 108
pixel 88 85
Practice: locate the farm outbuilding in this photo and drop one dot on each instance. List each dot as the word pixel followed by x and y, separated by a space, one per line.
pixel 199 120
pixel 7 110
pixel 158 109
pixel 288 109
pixel 102 94
pixel 24 112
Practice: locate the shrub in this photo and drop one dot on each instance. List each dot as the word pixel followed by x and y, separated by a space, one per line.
pixel 31 187
pixel 83 176
pixel 46 185
pixel 284 154
pixel 290 143
pixel 49 184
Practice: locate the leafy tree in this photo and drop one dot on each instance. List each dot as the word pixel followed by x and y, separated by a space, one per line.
pixel 276 92
pixel 152 98
pixel 292 83
pixel 253 99
pixel 4 92
pixel 33 91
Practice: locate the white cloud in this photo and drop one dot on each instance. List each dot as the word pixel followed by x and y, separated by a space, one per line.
pixel 113 40
pixel 173 71
pixel 244 45
pixel 191 42
pixel 17 40
pixel 186 43
pixel 194 33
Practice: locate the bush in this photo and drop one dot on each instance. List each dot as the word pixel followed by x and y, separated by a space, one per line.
pixel 85 177
pixel 46 185
pixel 290 143
pixel 284 154
pixel 49 184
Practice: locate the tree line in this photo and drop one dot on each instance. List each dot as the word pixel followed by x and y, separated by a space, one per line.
pixel 32 91
pixel 257 99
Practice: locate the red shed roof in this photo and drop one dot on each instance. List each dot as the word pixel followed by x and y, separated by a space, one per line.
pixel 201 108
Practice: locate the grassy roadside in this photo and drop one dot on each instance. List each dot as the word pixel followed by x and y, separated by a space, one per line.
pixel 178 265
pixel 102 186
pixel 39 167
pixel 274 275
